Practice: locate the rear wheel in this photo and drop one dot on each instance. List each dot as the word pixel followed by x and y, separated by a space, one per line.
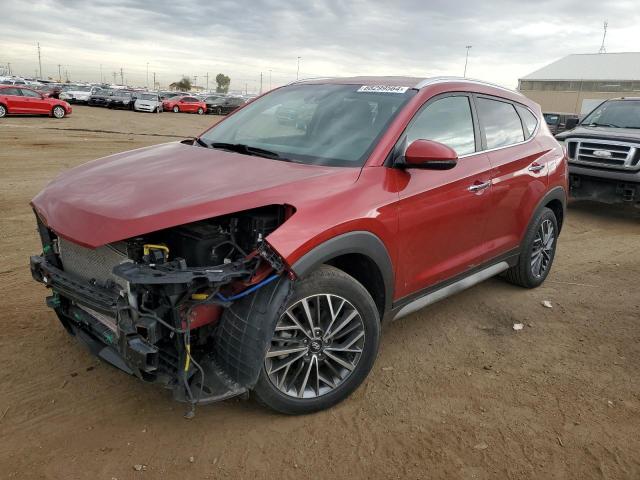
pixel 200 110
pixel 176 109
pixel 538 251
pixel 58 111
pixel 218 111
pixel 323 346
pixel 3 111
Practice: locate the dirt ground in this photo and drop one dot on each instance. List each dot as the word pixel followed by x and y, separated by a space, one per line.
pixel 456 393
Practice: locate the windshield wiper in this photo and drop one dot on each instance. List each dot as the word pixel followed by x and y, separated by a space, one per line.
pixel 248 150
pixel 596 124
pixel 201 142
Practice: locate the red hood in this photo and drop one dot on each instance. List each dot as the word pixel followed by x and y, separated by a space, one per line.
pixel 162 186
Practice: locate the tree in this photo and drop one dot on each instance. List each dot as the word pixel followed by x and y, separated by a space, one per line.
pixel 223 83
pixel 184 84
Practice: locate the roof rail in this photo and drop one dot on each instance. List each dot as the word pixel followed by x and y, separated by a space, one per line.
pixel 433 80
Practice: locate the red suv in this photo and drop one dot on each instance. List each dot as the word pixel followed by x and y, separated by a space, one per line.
pixel 21 100
pixel 264 255
pixel 184 104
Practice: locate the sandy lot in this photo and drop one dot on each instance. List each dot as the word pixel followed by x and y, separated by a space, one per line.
pixel 455 393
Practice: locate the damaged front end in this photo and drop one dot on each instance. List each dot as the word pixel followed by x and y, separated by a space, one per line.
pixel 160 306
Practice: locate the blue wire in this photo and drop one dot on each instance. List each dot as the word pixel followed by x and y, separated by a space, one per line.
pixel 248 290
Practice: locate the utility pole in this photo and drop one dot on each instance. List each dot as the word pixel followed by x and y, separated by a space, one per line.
pixel 207 81
pixel 147 75
pixel 260 83
pixel 604 35
pixel 246 88
pixel 466 59
pixel 269 79
pixel 101 81
pixel 66 74
pixel 298 71
pixel 39 61
pixel 154 80
pixel 9 67
pixel 59 73
pixel 121 77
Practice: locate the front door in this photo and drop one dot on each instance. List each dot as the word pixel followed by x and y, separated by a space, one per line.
pixel 443 213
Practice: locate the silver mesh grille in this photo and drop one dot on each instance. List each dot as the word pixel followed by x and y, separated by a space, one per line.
pixel 88 264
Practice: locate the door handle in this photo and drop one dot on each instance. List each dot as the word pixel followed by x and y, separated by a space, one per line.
pixel 477 187
pixel 535 167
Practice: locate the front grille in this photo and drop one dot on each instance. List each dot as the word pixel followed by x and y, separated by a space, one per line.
pixel 92 264
pixel 604 153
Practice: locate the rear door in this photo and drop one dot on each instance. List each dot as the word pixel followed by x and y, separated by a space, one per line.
pixel 442 213
pixel 518 168
pixel 190 104
pixel 15 100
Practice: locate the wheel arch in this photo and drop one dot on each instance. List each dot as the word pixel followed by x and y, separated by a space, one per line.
pixel 556 200
pixel 360 254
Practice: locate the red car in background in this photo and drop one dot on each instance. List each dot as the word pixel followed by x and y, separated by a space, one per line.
pixel 25 101
pixel 184 104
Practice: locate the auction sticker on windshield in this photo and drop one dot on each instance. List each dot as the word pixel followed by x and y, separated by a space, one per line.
pixel 381 89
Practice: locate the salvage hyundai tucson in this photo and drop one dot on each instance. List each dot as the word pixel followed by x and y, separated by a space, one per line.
pixel 264 256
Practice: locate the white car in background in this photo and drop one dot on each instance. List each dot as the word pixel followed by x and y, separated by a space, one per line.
pixel 79 94
pixel 148 102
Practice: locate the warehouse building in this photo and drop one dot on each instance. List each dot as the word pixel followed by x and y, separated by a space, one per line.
pixel 578 83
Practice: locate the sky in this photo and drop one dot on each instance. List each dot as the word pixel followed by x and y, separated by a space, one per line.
pixel 91 40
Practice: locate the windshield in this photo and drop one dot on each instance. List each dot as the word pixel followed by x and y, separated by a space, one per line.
pixel 335 125
pixel 615 113
pixel 551 118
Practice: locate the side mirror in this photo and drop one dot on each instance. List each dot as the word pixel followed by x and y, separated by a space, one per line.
pixel 571 123
pixel 428 154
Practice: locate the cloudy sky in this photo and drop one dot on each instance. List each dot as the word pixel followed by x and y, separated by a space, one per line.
pixel 242 38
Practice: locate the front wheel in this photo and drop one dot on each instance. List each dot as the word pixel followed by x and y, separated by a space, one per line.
pixel 176 109
pixel 3 111
pixel 538 251
pixel 58 112
pixel 200 111
pixel 323 346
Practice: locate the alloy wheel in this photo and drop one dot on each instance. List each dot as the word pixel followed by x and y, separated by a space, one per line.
pixel 543 245
pixel 3 111
pixel 58 112
pixel 317 344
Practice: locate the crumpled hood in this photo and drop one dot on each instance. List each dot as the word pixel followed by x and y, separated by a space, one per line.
pixel 162 186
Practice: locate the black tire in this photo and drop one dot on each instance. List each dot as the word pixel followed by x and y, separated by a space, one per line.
pixel 523 273
pixel 58 112
pixel 3 110
pixel 176 109
pixel 218 111
pixel 327 280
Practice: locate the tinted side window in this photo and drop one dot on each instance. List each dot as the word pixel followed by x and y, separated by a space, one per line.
pixel 447 121
pixel 528 119
pixel 29 93
pixel 10 91
pixel 501 123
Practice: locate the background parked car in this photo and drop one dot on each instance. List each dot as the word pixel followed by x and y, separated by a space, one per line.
pixel 99 98
pixel 148 102
pixel 166 95
pixel 52 90
pixel 557 122
pixel 122 99
pixel 79 94
pixel 25 101
pixel 212 100
pixel 226 105
pixel 184 104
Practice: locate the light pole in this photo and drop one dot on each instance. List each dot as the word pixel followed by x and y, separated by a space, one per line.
pixel 466 60
pixel 298 70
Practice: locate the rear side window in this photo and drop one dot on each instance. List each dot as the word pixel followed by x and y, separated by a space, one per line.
pixel 501 123
pixel 29 93
pixel 10 91
pixel 529 120
pixel 448 121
